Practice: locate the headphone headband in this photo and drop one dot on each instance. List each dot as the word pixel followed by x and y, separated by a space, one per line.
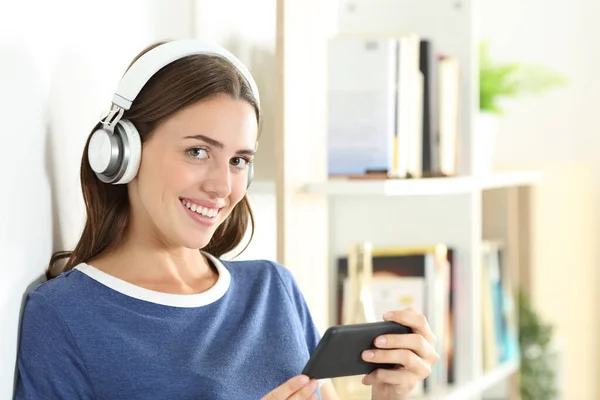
pixel 152 61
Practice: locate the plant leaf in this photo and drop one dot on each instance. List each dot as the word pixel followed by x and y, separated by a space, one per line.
pixel 505 80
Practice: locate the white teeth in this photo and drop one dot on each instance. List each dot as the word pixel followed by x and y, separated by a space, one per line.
pixel 207 212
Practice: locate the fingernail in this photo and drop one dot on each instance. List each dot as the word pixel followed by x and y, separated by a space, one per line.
pixel 381 340
pixel 368 354
pixel 304 379
pixel 313 385
pixel 387 315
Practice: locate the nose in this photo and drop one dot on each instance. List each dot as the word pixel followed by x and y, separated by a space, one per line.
pixel 217 181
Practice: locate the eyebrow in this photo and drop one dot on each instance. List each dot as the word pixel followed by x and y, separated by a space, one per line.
pixel 218 144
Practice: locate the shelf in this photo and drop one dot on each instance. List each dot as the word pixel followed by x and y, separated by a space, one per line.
pixel 476 387
pixel 425 186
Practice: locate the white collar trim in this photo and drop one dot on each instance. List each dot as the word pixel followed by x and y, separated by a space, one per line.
pixel 211 295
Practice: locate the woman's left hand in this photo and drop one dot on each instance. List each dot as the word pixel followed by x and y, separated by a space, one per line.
pixel 414 353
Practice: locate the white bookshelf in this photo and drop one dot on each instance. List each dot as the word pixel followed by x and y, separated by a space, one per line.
pixel 319 218
pixel 458 211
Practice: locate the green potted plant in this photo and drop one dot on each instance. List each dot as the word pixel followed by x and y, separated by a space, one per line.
pixel 537 373
pixel 498 81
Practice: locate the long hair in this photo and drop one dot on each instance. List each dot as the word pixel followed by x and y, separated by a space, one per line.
pixel 176 86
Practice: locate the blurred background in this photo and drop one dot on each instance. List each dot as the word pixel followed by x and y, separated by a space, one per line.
pixel 399 125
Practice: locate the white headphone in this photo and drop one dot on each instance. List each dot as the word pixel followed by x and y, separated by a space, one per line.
pixel 115 149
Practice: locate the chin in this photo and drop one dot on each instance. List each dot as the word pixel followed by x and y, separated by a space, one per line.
pixel 195 242
pixel 191 237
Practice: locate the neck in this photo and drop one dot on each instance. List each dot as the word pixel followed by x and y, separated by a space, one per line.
pixel 158 261
pixel 144 259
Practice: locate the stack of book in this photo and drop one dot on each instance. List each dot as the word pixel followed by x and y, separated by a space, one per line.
pixel 393 106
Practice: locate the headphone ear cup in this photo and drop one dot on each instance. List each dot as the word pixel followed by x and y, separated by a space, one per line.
pixel 250 174
pixel 115 157
pixel 103 154
pixel 132 150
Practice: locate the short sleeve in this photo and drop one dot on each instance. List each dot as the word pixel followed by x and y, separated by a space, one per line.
pixel 49 362
pixel 311 332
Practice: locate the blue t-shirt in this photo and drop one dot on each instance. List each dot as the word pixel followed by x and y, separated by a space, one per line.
pixel 89 335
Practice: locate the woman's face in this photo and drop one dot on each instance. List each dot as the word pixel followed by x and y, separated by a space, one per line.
pixel 194 170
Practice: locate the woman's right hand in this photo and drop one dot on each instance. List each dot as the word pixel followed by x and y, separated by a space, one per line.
pixel 296 388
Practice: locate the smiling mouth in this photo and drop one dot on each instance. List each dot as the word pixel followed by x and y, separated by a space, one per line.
pixel 204 211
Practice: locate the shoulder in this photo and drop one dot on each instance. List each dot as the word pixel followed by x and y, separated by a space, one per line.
pixel 64 291
pixel 44 302
pixel 259 267
pixel 267 273
pixel 264 272
pixel 56 289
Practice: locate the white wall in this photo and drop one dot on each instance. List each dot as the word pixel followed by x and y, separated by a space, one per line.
pixel 559 133
pixel 551 126
pixel 60 61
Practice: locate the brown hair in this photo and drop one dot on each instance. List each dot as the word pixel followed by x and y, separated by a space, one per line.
pixel 177 85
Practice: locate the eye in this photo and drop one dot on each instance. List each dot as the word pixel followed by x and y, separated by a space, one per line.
pixel 198 153
pixel 240 162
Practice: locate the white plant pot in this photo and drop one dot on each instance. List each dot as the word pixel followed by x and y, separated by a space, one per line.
pixel 485 132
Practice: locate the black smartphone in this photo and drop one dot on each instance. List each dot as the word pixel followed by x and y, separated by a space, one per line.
pixel 339 351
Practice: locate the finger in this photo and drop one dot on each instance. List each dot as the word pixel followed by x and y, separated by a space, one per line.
pixel 288 388
pixel 403 380
pixel 413 319
pixel 406 358
pixel 412 341
pixel 305 392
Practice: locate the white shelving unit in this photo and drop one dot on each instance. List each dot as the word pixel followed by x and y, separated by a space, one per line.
pixel 319 218
pixel 457 211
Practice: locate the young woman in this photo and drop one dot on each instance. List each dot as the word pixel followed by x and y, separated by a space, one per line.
pixel 144 307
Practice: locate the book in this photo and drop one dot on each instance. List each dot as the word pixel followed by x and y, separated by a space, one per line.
pixel 499 319
pixel 417 277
